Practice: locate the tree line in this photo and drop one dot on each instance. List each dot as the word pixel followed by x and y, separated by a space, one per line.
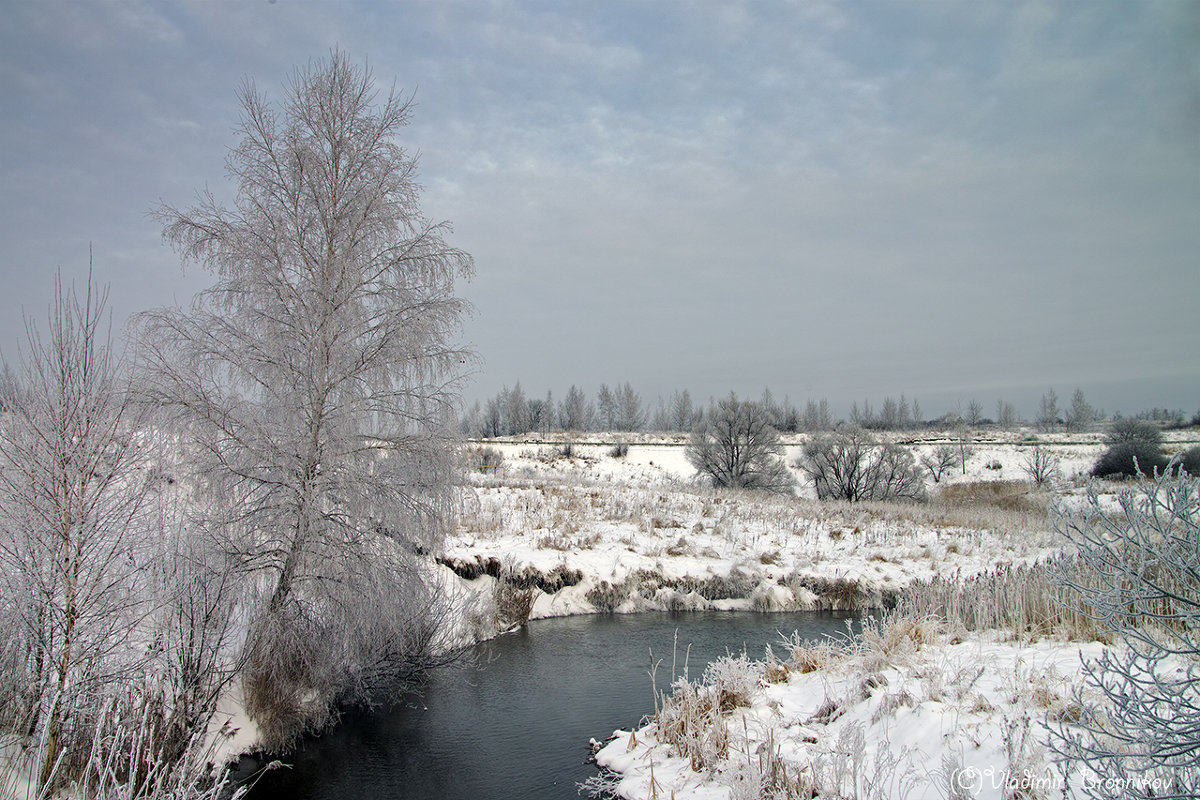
pixel 513 412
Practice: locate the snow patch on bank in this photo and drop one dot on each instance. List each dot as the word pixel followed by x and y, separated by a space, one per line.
pixel 908 714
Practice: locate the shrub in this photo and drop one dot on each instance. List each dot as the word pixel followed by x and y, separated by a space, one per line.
pixel 1131 429
pixel 852 465
pixel 940 460
pixel 1008 495
pixel 619 450
pixel 514 603
pixel 735 447
pixel 1144 588
pixel 1129 459
pixel 1040 465
pixel 1190 461
pixel 486 459
pixel 1134 448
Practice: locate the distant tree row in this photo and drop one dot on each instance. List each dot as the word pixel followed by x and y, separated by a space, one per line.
pixel 511 412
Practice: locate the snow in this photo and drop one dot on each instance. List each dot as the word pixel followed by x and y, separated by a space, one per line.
pixel 645 518
pixel 920 720
pixel 642 533
pixel 919 715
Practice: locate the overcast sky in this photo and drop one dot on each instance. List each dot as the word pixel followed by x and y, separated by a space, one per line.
pixel 943 199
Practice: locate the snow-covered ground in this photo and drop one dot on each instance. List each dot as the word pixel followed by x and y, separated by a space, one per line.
pixel 913 709
pixel 596 532
pixel 909 712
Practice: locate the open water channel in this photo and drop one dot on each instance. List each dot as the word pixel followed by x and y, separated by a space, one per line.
pixel 515 722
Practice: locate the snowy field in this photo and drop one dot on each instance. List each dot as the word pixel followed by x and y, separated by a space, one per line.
pixel 594 532
pixel 916 708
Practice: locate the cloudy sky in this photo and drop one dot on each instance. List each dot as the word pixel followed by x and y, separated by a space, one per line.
pixel 950 200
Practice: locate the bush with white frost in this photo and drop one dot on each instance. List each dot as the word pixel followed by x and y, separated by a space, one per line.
pixel 1143 586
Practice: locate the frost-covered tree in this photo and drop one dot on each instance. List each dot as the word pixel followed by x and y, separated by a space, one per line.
pixel 574 411
pixel 889 415
pixel 1137 573
pixel 631 416
pixel 1047 418
pixel 684 414
pixel 905 413
pixel 817 416
pixel 316 380
pixel 1081 415
pixel 735 446
pixel 1006 415
pixel 606 408
pixel 540 414
pixel 72 497
pixel 851 465
pixel 516 410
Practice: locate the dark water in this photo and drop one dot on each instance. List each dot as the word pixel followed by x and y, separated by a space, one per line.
pixel 516 724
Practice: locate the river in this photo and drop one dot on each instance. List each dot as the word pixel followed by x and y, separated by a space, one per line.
pixel 515 721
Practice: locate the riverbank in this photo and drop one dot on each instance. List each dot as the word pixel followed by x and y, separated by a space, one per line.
pixel 563 528
pixel 907 711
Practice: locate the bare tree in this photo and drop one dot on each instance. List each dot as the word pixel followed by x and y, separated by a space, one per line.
pixel 817 416
pixel 574 412
pixel 317 376
pixel 889 415
pixel 1006 415
pixel 965 448
pixel 606 408
pixel 1047 418
pixel 1040 465
pixel 684 414
pixel 851 465
pixel 905 413
pixel 72 495
pixel 1136 574
pixel 516 410
pixel 736 447
pixel 1081 416
pixel 974 415
pixel 630 414
pixel 493 418
pixel 940 460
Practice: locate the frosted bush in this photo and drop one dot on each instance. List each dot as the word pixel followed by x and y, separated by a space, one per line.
pixel 734 679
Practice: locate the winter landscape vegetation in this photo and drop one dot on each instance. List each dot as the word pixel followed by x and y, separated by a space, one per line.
pixel 287 502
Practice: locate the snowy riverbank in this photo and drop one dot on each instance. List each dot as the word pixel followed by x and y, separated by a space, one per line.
pixel 585 531
pixel 562 528
pixel 908 712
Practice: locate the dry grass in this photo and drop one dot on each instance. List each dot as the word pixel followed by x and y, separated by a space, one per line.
pixel 1019 599
pixel 1006 495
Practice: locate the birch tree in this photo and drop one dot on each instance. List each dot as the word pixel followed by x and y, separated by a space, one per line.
pixel 316 379
pixel 574 413
pixel 71 497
